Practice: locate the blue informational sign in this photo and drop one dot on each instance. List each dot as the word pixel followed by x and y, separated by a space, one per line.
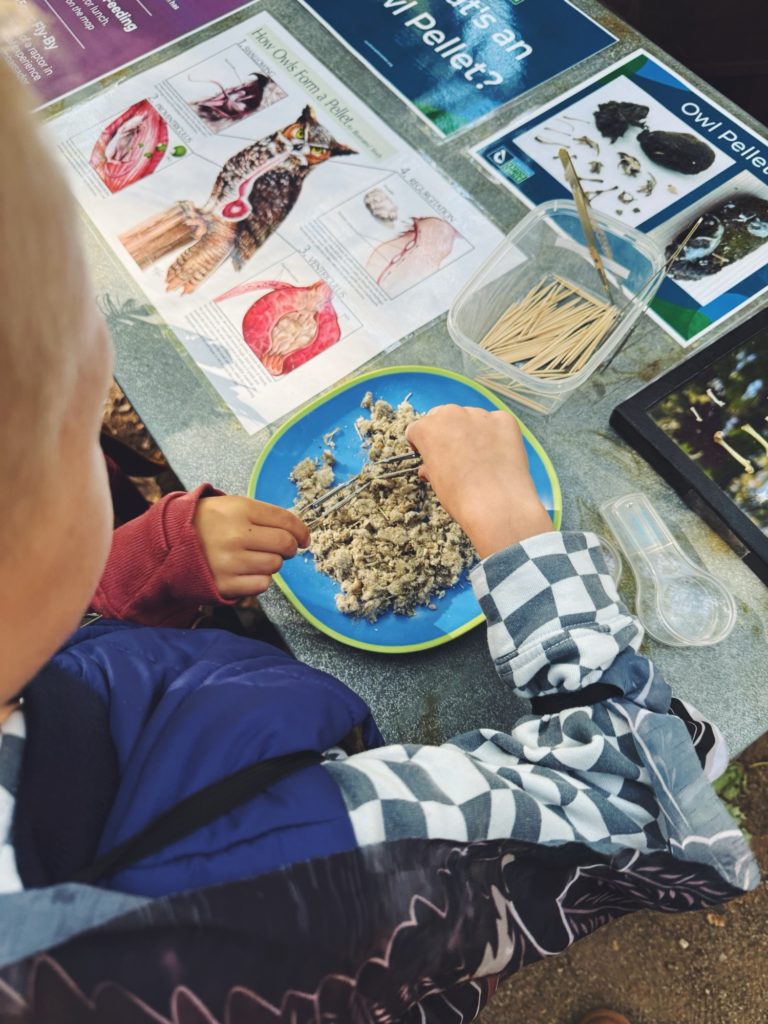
pixel 655 152
pixel 456 61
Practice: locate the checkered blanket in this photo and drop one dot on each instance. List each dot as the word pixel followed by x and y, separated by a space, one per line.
pixel 621 774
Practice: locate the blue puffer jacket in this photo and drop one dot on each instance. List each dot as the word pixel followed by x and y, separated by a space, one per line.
pixel 185 708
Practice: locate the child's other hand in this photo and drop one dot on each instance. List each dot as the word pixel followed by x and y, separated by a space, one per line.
pixel 476 463
pixel 246 541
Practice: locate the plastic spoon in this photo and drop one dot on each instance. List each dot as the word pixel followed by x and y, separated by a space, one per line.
pixel 678 602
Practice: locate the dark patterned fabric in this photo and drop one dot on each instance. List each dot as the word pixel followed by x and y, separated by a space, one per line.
pixel 413 930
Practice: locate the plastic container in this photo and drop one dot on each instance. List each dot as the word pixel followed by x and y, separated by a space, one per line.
pixel 550 241
pixel 678 602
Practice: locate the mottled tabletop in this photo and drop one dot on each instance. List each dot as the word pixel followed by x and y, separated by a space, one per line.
pixel 430 696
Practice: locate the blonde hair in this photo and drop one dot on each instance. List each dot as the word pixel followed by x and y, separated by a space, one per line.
pixel 42 282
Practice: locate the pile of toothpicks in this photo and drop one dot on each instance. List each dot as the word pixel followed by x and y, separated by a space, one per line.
pixel 550 334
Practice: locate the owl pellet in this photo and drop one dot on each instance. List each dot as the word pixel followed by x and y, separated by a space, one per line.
pixel 392 547
pixel 380 205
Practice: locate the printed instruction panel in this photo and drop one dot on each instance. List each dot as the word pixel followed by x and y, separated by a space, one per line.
pixel 65 44
pixel 284 233
pixel 654 152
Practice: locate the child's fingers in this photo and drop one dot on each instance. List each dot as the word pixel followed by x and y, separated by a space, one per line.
pixel 246 586
pixel 426 431
pixel 256 563
pixel 250 573
pixel 272 540
pixel 264 514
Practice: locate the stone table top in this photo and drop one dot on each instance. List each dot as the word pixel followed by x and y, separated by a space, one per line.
pixel 433 695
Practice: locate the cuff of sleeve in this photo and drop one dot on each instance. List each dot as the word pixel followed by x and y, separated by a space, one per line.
pixel 157 573
pixel 555 620
pixel 186 568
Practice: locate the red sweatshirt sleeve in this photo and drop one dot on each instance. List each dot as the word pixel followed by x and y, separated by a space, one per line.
pixel 156 573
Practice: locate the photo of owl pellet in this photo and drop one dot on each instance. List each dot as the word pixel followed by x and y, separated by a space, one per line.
pixel 728 232
pixel 633 156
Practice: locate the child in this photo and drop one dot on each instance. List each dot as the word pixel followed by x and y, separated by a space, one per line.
pixel 370 881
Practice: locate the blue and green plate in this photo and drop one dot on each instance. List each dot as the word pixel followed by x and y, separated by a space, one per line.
pixel 311 592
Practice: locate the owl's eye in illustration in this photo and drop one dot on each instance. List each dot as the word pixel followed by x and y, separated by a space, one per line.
pixel 298 132
pixel 318 150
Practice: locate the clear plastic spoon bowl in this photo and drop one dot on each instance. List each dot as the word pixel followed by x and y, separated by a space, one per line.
pixel 678 602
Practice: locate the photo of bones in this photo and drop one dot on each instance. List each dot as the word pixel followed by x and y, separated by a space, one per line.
pixel 721 423
pixel 634 158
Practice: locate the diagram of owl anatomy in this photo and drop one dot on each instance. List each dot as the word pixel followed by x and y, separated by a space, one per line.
pixel 289 324
pixel 252 195
pixel 417 252
pixel 130 147
pixel 235 102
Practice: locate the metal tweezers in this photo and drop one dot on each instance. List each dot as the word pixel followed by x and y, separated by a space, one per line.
pixel 318 508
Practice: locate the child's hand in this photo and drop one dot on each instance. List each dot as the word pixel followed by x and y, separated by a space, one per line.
pixel 246 541
pixel 476 463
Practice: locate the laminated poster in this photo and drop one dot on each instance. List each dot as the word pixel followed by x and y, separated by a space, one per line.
pixel 457 61
pixel 281 230
pixel 653 151
pixel 70 43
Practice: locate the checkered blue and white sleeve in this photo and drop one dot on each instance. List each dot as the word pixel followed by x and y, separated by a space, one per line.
pixel 12 737
pixel 555 624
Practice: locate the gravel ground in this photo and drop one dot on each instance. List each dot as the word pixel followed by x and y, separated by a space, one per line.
pixel 122 421
pixel 710 967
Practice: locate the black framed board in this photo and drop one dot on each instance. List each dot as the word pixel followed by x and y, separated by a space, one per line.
pixel 704 427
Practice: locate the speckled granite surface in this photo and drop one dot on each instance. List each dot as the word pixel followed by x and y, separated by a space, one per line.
pixel 430 696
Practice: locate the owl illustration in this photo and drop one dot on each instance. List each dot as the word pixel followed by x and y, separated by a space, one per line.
pixel 233 103
pixel 252 195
